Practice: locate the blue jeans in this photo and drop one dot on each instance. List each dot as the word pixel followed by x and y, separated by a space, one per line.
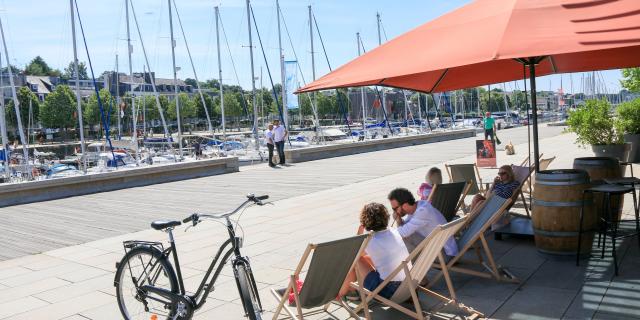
pixel 280 148
pixel 373 280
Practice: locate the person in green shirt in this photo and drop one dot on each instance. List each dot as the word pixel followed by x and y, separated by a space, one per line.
pixel 489 126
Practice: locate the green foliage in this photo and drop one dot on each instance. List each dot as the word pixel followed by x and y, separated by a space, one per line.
pixel 326 105
pixel 210 105
pixel 594 124
pixel 91 112
pixel 187 107
pixel 24 95
pixel 232 104
pixel 38 67
pixel 631 79
pixel 69 72
pixel 629 117
pixel 58 109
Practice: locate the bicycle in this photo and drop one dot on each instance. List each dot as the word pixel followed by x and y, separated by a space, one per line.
pixel 148 287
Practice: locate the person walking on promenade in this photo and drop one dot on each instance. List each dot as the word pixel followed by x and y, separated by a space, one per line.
pixel 489 126
pixel 279 134
pixel 268 139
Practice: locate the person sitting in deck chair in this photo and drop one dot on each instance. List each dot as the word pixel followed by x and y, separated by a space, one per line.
pixel 416 219
pixel 385 251
pixel 503 186
pixel 434 176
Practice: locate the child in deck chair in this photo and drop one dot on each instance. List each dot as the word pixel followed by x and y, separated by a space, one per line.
pixel 434 176
pixel 383 254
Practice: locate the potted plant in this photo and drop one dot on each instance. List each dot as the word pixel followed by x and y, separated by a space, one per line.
pixel 629 123
pixel 595 126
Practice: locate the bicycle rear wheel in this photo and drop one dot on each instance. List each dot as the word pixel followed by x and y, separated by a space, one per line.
pixel 144 266
pixel 248 294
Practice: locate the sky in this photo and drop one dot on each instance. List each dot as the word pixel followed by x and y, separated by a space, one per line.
pixel 43 27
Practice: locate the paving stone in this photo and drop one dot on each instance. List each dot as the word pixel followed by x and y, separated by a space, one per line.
pixel 549 303
pixel 13 307
pixel 67 308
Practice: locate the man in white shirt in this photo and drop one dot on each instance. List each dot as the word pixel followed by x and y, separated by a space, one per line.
pixel 416 220
pixel 279 134
pixel 268 139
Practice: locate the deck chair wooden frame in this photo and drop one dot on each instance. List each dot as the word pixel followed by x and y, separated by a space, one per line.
pixel 423 258
pixel 477 179
pixel 518 193
pixel 544 165
pixel 298 314
pixel 478 241
pixel 465 191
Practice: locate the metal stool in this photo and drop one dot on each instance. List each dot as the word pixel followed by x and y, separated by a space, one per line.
pixel 608 224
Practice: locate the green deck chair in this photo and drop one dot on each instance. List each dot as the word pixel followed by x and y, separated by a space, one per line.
pixel 329 266
pixel 466 172
pixel 448 197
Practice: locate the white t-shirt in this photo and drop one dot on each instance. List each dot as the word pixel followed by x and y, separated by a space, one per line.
pixel 278 133
pixel 387 251
pixel 268 136
pixel 423 221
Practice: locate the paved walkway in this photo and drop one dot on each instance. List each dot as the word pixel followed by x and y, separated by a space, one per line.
pixel 76 282
pixel 38 227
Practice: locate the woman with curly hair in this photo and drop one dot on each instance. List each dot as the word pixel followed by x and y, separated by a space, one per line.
pixel 383 254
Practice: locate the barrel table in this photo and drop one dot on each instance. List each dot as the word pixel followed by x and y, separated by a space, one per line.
pixel 557 201
pixel 599 169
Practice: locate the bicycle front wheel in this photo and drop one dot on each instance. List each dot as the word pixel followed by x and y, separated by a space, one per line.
pixel 248 294
pixel 144 266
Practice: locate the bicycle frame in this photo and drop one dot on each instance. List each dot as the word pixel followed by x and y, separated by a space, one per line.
pixel 198 299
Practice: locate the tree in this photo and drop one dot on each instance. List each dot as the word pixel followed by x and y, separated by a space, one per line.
pixel 38 67
pixel 69 72
pixel 191 82
pixel 631 79
pixel 210 105
pixel 59 109
pixel 91 113
pixel 24 96
pixel 326 105
pixel 14 69
pixel 187 108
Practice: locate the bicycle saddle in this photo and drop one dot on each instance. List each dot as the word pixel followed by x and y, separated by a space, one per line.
pixel 163 224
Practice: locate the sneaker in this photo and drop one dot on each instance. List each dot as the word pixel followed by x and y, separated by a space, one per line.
pixel 352 297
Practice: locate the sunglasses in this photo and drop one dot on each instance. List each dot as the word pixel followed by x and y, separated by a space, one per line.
pixel 502 173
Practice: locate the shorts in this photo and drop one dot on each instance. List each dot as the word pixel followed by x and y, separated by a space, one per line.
pixel 373 280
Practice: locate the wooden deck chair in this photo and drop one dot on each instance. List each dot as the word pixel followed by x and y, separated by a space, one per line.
pixel 448 197
pixel 423 258
pixel 472 236
pixel 464 173
pixel 329 266
pixel 544 165
pixel 522 175
pixel 526 160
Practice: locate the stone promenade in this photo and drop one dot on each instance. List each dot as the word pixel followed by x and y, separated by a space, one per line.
pixel 59 256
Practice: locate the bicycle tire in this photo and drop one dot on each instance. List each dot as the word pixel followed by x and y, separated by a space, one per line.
pixel 247 293
pixel 124 267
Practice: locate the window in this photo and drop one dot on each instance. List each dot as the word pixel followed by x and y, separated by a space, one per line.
pixel 34 87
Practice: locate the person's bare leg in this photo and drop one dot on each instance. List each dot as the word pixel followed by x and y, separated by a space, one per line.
pixel 364 266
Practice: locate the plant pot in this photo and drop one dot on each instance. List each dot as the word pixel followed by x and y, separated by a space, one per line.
pixel 618 151
pixel 634 141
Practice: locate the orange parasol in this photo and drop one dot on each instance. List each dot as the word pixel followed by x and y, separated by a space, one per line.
pixel 489 41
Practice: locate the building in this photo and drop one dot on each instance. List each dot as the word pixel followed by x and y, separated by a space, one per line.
pixel 141 84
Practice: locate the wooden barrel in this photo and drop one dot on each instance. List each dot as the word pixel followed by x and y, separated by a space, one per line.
pixel 557 201
pixel 600 168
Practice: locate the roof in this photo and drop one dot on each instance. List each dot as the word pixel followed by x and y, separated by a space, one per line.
pixel 169 82
pixel 43 83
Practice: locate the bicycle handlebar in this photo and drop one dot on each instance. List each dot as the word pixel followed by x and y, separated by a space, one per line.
pixel 195 218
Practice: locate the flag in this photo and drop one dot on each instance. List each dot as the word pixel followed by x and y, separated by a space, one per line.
pixel 291 83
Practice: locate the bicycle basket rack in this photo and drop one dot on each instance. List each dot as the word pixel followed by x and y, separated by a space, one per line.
pixel 131 244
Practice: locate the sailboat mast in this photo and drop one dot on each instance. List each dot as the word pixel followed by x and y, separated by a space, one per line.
pixel 224 128
pixel 364 111
pixel 253 79
pixel 175 80
pixel 3 125
pixel 118 97
pixel 313 58
pixel 134 118
pixel 77 77
pixel 285 110
pixel 144 103
pixel 383 103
